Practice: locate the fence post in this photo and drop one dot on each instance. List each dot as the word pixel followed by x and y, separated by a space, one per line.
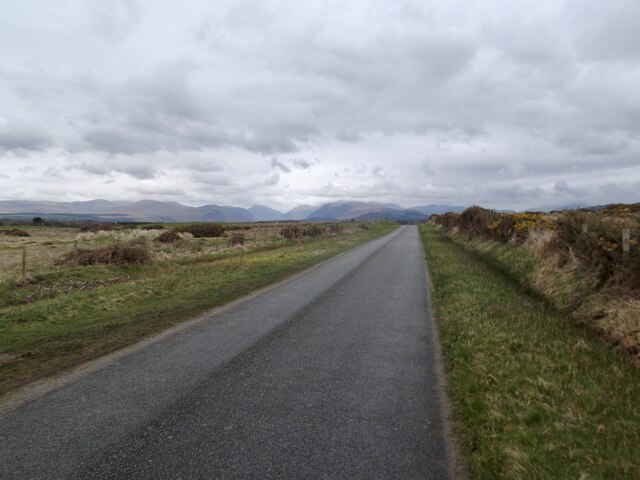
pixel 24 262
pixel 585 228
pixel 75 250
pixel 626 234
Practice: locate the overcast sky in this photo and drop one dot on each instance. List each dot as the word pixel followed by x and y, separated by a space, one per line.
pixel 505 104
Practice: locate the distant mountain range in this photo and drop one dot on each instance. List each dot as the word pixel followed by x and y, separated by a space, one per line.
pixel 156 211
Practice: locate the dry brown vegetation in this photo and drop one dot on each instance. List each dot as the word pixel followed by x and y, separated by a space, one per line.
pixel 202 230
pixel 120 253
pixel 580 264
pixel 16 232
pixel 50 250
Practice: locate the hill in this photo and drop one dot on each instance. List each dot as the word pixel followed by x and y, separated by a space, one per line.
pixel 265 214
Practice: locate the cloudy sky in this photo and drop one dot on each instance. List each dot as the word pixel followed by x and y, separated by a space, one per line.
pixel 504 104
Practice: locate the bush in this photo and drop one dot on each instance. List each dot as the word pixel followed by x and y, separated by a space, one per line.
pixel 364 226
pixel 126 253
pixel 169 236
pixel 447 220
pixel 16 232
pixel 236 239
pixel 337 228
pixel 291 232
pixel 202 230
pixel 596 239
pixel 155 226
pixel 476 221
pixel 517 226
pixel 313 230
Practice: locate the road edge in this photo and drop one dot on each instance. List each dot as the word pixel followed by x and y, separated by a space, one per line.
pixel 455 463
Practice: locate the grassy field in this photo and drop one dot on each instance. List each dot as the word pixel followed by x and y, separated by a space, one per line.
pixel 533 396
pixel 63 314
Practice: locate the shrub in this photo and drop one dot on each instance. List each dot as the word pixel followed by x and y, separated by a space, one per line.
pixel 364 226
pixel 291 232
pixel 476 221
pixel 337 228
pixel 202 230
pixel 126 253
pixel 169 236
pixel 595 238
pixel 155 226
pixel 517 226
pixel 236 239
pixel 447 220
pixel 16 232
pixel 313 230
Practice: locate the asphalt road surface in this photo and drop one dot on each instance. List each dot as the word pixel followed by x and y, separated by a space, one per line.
pixel 332 374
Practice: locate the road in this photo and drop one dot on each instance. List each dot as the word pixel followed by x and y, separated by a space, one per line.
pixel 332 374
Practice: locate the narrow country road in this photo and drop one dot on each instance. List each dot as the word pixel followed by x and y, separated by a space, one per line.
pixel 332 374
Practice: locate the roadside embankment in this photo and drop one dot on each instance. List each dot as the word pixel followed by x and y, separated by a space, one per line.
pixel 533 396
pixel 585 263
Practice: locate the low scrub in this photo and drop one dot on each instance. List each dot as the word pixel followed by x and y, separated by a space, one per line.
pixel 118 254
pixel 313 230
pixel 169 236
pixel 202 230
pixel 236 239
pixel 291 232
pixel 16 232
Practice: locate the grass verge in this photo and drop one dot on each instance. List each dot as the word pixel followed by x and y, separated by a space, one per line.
pixel 43 337
pixel 533 397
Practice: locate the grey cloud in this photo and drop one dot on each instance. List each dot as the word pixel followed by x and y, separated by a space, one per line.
pixel 212 178
pixel 286 166
pixel 154 189
pixel 346 136
pixel 609 33
pixel 272 179
pixel 275 163
pixel 18 136
pixel 504 94
pixel 377 172
pixel 137 169
pixel 301 163
pixel 563 187
pixel 427 168
pixel 114 20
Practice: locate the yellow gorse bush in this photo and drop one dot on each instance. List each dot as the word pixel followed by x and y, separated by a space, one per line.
pixel 508 225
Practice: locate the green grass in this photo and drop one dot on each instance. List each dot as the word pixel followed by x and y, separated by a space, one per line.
pixel 533 397
pixel 49 335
